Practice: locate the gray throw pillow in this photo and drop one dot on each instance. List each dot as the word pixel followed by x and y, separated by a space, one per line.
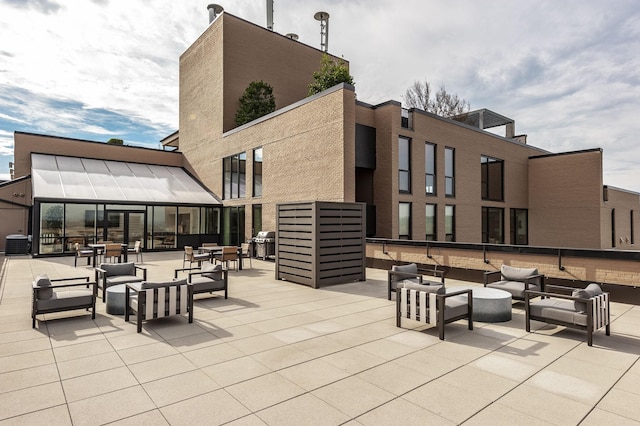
pixel 45 292
pixel 583 294
pixel 593 289
pixel 213 272
pixel 411 268
pixel 510 273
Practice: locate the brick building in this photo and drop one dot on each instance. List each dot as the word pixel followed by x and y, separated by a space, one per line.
pixel 422 177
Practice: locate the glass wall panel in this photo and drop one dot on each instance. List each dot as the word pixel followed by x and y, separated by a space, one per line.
pixel 164 227
pixel 80 225
pixel 210 220
pixel 492 225
pixel 51 228
pixel 188 220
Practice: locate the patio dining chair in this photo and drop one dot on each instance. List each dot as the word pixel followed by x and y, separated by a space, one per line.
pixel 228 254
pixel 192 257
pixel 82 252
pixel 137 249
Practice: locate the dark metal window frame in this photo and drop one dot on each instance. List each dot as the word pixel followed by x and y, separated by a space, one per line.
pixel 433 236
pixel 405 236
pixel 512 225
pixel 233 192
pixel 449 175
pixel 257 192
pixel 486 231
pixel 452 235
pixel 485 178
pixel 407 171
pixel 433 174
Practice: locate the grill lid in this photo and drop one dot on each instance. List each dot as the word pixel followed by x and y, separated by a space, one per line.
pixel 266 235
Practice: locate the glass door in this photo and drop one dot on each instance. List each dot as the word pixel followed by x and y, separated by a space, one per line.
pixel 125 227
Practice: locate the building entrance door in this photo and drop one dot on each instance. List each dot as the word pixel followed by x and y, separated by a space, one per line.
pixel 125 227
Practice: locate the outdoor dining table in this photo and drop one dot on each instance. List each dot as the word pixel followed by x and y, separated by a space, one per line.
pixel 96 247
pixel 213 250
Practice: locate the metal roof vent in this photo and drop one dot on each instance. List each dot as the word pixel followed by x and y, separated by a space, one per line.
pixel 323 17
pixel 270 14
pixel 292 36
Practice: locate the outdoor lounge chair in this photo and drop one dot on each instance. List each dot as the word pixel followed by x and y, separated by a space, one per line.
pixel 109 274
pixel 70 294
pixel 583 309
pixel 515 280
pixel 430 304
pixel 152 300
pixel 409 273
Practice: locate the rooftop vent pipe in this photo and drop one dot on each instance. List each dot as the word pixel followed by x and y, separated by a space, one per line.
pixel 270 14
pixel 323 17
pixel 214 11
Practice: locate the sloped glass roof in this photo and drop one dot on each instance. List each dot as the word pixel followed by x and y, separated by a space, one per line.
pixel 58 177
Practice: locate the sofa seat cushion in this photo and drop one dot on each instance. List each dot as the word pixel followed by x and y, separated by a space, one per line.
pixel 205 284
pixel 455 306
pixel 123 279
pixel 65 299
pixel 516 288
pixel 558 310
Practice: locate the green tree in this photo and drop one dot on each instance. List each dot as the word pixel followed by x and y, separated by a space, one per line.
pixel 256 101
pixel 331 72
pixel 442 103
pixel 115 141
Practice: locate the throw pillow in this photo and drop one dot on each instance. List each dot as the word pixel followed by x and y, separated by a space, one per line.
pixel 43 282
pixel 582 294
pixel 212 272
pixel 509 273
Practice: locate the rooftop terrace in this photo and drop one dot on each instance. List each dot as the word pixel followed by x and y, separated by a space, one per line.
pixel 280 353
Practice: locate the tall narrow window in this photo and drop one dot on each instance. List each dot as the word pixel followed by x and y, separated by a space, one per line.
pixel 613 227
pixel 257 172
pixel 492 173
pixel 430 168
pixel 519 226
pixel 404 221
pixel 449 223
pixel 449 172
pixel 430 222
pixel 633 241
pixel 256 214
pixel 492 225
pixel 404 164
pixel 235 178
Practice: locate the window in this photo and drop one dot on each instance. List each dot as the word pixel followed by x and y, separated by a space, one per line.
pixel 256 214
pixel 430 221
pixel 188 220
pixel 492 225
pixel 404 221
pixel 492 175
pixel 210 221
pixel 613 227
pixel 519 226
pixel 449 223
pixel 406 118
pixel 234 171
pixel 631 227
pixel 257 172
pixel 449 172
pixel 430 168
pixel 404 164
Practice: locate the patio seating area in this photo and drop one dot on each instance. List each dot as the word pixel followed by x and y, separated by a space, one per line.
pixel 275 352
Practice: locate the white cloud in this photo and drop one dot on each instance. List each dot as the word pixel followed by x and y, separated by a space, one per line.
pixel 565 71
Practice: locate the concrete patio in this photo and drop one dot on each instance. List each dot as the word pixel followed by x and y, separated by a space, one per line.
pixel 279 353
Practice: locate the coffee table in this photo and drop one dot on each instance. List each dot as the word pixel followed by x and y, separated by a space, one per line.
pixel 489 304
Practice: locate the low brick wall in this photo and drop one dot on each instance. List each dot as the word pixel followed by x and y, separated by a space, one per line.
pixel 621 277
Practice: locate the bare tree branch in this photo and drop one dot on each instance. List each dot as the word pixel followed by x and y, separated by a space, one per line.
pixel 442 103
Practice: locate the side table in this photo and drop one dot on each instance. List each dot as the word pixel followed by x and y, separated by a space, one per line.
pixel 115 299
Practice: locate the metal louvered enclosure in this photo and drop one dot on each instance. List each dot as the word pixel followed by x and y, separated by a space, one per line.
pixel 320 243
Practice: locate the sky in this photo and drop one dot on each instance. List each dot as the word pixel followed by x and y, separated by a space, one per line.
pixel 567 71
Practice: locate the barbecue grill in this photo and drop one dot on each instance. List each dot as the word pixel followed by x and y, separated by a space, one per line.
pixel 265 244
